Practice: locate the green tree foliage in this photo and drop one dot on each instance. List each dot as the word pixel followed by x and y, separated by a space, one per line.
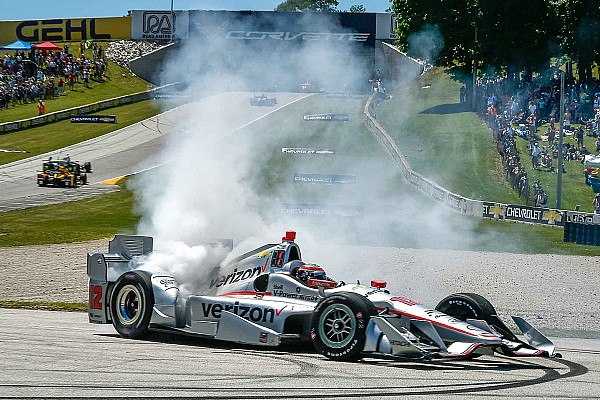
pixel 358 8
pixel 580 32
pixel 308 5
pixel 506 37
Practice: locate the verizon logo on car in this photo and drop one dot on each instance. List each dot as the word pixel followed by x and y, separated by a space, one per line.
pixel 254 314
pixel 306 36
pixel 237 276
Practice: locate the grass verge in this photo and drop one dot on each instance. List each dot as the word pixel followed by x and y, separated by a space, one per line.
pixel 357 151
pixel 42 305
pixel 95 218
pixel 60 134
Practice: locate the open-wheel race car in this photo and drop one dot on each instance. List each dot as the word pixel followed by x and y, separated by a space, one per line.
pixel 63 173
pixel 269 295
pixel 263 100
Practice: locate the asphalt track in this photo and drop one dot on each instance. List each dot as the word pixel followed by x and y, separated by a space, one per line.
pixel 58 354
pixel 125 151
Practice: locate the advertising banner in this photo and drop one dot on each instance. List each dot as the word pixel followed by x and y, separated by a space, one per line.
pixel 520 213
pixel 65 30
pixel 324 178
pixel 159 25
pixel 322 210
pixel 326 117
pixel 302 150
pixel 94 119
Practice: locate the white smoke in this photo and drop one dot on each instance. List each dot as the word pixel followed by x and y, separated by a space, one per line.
pixel 203 191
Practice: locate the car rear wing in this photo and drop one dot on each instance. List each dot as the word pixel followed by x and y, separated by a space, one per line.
pixel 121 250
pixel 104 268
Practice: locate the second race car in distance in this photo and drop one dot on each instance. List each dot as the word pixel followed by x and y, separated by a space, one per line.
pixel 263 100
pixel 269 295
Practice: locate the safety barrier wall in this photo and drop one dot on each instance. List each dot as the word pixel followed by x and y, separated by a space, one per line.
pixel 8 127
pixel 476 208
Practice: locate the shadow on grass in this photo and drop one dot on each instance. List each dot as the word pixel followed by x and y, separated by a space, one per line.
pixel 455 108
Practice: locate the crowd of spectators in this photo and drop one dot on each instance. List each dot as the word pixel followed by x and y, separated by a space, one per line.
pixel 30 76
pixel 27 77
pixel 532 112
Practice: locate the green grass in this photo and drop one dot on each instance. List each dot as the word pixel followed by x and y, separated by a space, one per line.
pixel 95 218
pixel 120 82
pixel 46 138
pixel 444 141
pixel 356 151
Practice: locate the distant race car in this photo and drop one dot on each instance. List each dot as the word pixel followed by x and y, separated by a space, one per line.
pixel 63 173
pixel 263 100
pixel 269 295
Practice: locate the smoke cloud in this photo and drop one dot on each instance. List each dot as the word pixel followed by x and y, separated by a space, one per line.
pixel 426 44
pixel 207 186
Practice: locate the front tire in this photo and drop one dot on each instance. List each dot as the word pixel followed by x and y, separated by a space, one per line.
pixel 131 304
pixel 338 325
pixel 465 306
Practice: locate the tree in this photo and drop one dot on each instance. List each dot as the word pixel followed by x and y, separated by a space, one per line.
pixel 580 33
pixel 359 8
pixel 308 5
pixel 500 36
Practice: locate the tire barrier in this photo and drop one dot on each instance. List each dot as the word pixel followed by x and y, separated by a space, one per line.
pixel 487 209
pixel 9 127
pixel 582 233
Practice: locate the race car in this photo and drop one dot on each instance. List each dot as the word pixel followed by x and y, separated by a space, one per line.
pixel 263 100
pixel 269 296
pixel 63 173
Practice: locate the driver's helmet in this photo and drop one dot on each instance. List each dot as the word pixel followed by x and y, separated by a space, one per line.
pixel 310 271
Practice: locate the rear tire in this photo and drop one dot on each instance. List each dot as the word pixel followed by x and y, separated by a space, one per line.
pixel 338 325
pixel 131 304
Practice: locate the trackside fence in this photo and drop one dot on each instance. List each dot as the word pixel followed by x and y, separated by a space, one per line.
pixel 8 127
pixel 579 226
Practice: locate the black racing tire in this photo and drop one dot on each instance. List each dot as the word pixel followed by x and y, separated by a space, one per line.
pixel 465 306
pixel 338 325
pixel 83 179
pixel 131 304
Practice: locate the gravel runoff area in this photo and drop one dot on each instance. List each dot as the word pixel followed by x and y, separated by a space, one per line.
pixel 558 293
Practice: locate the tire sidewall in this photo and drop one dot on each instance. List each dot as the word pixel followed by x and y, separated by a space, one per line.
pixel 139 283
pixel 449 307
pixel 360 314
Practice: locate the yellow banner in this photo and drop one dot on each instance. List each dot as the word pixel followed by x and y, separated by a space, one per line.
pixel 65 30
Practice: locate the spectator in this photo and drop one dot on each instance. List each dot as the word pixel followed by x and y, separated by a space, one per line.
pixel 596 203
pixel 41 107
pixel 535 154
pixel 579 137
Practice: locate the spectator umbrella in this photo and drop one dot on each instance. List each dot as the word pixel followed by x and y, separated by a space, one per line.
pixel 18 45
pixel 47 46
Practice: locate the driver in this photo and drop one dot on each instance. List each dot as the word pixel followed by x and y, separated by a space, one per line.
pixel 311 271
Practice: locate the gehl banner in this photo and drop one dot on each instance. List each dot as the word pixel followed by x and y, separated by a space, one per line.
pixel 65 29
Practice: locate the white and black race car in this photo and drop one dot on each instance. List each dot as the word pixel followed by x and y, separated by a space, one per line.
pixel 269 295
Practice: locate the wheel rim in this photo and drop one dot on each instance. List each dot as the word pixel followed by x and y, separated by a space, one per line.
pixel 130 305
pixel 337 325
